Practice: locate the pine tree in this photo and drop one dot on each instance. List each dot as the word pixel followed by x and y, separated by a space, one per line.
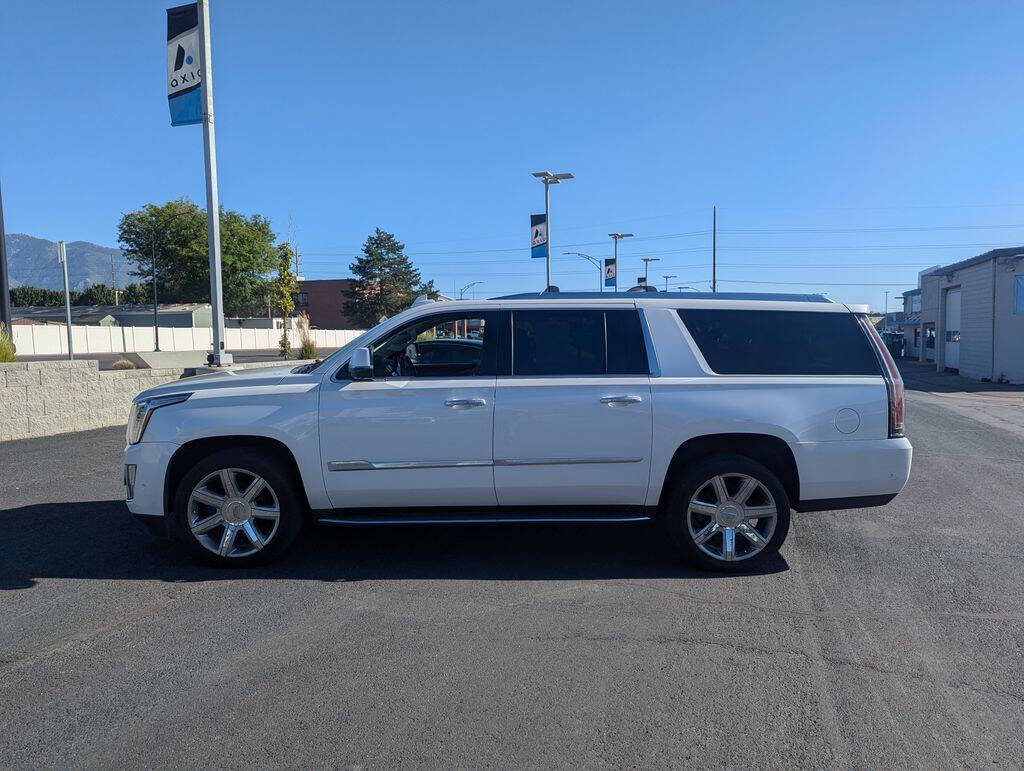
pixel 386 282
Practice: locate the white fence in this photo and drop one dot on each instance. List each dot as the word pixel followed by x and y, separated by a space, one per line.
pixel 45 340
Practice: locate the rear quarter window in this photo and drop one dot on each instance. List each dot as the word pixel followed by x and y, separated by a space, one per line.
pixel 753 342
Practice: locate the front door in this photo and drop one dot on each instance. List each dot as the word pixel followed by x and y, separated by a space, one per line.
pixel 572 424
pixel 952 339
pixel 420 433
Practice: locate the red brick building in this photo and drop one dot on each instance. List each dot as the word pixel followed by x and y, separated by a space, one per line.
pixel 324 301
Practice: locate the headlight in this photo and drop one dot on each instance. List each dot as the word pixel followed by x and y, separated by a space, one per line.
pixel 141 411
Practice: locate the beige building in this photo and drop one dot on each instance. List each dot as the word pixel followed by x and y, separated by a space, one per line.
pixel 969 316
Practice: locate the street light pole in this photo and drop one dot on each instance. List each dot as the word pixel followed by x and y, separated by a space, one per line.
pixel 62 255
pixel 615 239
pixel 596 263
pixel 647 264
pixel 462 292
pixel 5 284
pixel 156 318
pixel 549 179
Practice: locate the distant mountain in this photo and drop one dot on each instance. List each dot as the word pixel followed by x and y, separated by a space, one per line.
pixel 33 262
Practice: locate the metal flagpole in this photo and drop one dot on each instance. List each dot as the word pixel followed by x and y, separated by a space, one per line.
pixel 219 357
pixel 62 255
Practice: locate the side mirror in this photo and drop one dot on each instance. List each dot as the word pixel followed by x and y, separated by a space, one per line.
pixel 360 366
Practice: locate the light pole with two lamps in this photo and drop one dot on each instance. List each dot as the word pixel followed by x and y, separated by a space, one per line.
pixel 615 238
pixel 549 179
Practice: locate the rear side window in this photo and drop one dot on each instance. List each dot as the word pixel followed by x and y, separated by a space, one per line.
pixel 781 342
pixel 584 342
pixel 627 354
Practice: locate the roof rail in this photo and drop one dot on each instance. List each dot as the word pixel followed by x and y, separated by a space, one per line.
pixel 760 296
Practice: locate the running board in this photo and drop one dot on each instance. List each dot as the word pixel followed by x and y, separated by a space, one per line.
pixel 485 516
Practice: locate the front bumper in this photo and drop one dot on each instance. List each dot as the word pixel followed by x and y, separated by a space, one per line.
pixel 150 460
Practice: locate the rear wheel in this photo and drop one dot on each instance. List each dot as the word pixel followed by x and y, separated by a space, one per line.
pixel 237 508
pixel 728 513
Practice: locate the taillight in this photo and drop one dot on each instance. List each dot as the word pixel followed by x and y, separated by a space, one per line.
pixel 893 381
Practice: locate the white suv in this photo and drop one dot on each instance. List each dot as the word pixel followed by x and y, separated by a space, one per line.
pixel 716 414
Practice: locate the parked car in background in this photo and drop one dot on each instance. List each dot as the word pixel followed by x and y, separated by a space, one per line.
pixel 717 415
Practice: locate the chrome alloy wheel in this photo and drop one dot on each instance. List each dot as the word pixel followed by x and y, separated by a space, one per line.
pixel 731 517
pixel 233 512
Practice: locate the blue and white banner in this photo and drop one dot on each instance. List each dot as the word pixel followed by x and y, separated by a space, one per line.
pixel 183 68
pixel 609 271
pixel 538 235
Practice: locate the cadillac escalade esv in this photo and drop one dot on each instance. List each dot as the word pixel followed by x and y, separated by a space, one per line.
pixel 718 415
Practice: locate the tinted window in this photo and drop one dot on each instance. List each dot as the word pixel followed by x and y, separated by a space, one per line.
pixel 557 343
pixel 627 354
pixel 781 342
pixel 574 343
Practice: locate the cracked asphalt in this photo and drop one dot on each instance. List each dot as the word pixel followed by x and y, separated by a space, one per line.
pixel 880 638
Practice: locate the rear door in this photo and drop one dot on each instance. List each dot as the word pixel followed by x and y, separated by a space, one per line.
pixel 572 423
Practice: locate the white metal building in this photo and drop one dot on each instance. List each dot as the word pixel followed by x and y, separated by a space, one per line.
pixel 969 316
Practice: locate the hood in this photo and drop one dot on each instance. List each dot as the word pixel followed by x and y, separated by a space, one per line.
pixel 241 378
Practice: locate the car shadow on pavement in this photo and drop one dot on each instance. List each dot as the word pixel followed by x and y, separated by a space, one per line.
pixel 100 540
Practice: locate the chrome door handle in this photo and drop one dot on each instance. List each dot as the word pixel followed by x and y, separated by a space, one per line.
pixel 613 400
pixel 465 402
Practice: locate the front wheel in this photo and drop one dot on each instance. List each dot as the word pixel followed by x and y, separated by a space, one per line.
pixel 237 508
pixel 728 513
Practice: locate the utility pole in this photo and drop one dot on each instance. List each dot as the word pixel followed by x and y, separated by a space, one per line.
pixel 549 179
pixel 886 309
pixel 113 277
pixel 219 356
pixel 615 239
pixel 714 249
pixel 647 263
pixel 62 255
pixel 666 280
pixel 5 284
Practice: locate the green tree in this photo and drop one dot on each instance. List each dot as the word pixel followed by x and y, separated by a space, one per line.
pixel 282 292
pixel 178 230
pixel 22 296
pixel 386 282
pixel 136 294
pixel 95 294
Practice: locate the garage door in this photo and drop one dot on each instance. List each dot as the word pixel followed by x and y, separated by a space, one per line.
pixel 952 341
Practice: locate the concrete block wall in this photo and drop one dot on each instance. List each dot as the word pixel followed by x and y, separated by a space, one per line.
pixel 40 398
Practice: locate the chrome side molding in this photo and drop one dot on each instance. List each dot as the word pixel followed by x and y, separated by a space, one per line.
pixel 395 465
pixel 365 465
pixel 561 461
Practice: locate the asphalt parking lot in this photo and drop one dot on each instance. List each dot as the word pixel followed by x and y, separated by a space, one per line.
pixel 879 638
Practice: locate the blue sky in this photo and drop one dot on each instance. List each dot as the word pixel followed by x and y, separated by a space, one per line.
pixel 847 146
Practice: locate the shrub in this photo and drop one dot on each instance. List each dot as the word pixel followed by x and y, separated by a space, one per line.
pixel 123 364
pixel 308 348
pixel 284 345
pixel 6 344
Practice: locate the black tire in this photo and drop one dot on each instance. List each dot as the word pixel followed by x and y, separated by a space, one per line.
pixel 283 488
pixel 694 480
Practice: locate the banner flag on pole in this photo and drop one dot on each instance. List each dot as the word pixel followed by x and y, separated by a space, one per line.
pixel 183 66
pixel 538 236
pixel 609 271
